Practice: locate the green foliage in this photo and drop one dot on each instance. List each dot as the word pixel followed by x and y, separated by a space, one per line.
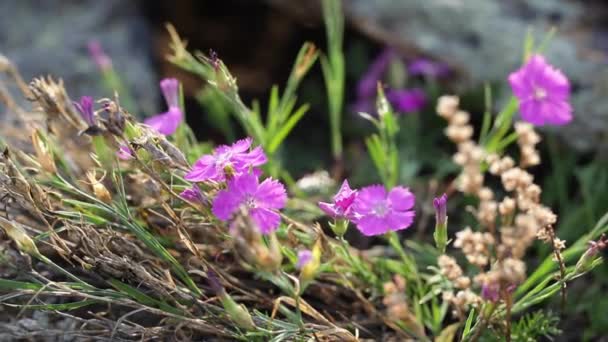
pixel 334 70
pixel 533 326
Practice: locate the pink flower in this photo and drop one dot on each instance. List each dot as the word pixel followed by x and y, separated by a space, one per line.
pixel 124 152
pixel 260 200
pixel 98 56
pixel 166 123
pixel 379 212
pixel 236 159
pixel 343 200
pixel 427 67
pixel 543 93
pixel 304 257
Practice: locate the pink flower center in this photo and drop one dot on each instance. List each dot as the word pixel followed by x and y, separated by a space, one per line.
pixel 250 202
pixel 381 209
pixel 540 93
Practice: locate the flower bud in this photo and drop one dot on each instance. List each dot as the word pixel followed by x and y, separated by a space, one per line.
pixel 16 232
pixel 237 312
pixel 309 263
pixel 339 227
pixel 441 222
pixel 584 263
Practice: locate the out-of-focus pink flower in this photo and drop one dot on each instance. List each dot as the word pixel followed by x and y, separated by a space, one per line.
pixel 543 93
pixel 379 211
pixel 367 84
pixel 166 123
pixel 98 56
pixel 304 257
pixel 427 67
pixel 406 100
pixel 234 160
pixel 124 152
pixel 260 200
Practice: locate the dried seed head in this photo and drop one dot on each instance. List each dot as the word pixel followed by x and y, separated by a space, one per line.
pixel 449 267
pixel 459 134
pixel 461 118
pixel 100 191
pixel 507 206
pixel 447 106
pixel 43 152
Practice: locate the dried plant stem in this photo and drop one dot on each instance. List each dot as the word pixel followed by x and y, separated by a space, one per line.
pixel 562 271
pixel 509 304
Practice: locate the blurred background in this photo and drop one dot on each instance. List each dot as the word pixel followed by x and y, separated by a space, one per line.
pixel 424 48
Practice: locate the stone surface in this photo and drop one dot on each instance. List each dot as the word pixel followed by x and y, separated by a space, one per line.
pixel 50 38
pixel 485 39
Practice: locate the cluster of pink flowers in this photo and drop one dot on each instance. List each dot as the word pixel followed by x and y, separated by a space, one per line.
pixel 229 161
pixel 373 209
pixel 237 165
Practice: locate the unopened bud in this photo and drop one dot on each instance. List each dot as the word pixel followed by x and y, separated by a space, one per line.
pixel 309 263
pixel 237 312
pixel 584 263
pixel 16 232
pixel 441 222
pixel 339 227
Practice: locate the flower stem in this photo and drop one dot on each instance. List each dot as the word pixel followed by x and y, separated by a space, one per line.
pixel 409 263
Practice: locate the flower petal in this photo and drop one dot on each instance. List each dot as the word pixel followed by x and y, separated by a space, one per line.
pixel 328 209
pixel 267 220
pixel 368 198
pixel 401 198
pixel 371 225
pixel 225 204
pixel 271 194
pixel 400 220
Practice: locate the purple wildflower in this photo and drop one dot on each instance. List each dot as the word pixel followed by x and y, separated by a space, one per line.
pixel 343 201
pixel 366 87
pixel 85 107
pixel 304 257
pixel 166 123
pixel 543 93
pixel 100 58
pixel 124 152
pixel 193 194
pixel 261 200
pixel 440 204
pixel 427 67
pixel 407 100
pixel 379 212
pixel 235 160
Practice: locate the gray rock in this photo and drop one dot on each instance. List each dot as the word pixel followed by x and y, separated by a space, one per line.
pixel 50 38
